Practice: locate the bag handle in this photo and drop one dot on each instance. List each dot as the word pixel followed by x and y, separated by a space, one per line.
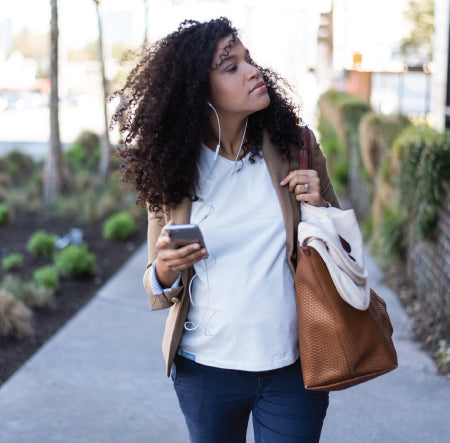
pixel 305 147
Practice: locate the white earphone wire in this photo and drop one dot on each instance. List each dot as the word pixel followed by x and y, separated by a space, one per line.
pixel 220 133
pixel 218 122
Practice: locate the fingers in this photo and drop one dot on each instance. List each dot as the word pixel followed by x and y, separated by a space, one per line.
pixel 171 260
pixel 305 184
pixel 301 189
pixel 178 259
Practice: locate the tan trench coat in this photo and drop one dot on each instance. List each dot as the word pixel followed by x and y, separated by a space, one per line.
pixel 178 299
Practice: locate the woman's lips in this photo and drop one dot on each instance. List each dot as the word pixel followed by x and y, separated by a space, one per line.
pixel 259 87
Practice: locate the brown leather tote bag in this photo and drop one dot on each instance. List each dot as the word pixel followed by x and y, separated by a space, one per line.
pixel 340 346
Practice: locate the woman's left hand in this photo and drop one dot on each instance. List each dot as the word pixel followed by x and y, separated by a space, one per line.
pixel 306 185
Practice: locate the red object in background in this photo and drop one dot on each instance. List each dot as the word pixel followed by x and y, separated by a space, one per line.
pixel 42 85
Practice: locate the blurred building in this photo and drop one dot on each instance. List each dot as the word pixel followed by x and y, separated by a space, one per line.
pixel 6 36
pixel 440 103
pixel 360 52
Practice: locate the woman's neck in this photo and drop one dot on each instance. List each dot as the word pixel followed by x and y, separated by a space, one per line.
pixel 231 136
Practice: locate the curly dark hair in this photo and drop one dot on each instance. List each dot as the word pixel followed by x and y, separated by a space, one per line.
pixel 163 113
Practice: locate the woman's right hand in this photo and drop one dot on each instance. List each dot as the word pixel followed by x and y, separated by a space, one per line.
pixel 169 262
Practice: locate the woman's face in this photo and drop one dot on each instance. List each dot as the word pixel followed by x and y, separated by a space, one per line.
pixel 237 86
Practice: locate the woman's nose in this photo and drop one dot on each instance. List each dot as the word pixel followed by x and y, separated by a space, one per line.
pixel 253 72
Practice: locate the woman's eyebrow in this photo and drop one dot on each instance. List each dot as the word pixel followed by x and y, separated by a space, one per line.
pixel 232 57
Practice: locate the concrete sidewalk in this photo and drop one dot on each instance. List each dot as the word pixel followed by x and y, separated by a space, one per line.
pixel 101 379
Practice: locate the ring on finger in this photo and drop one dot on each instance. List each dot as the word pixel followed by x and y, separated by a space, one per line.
pixel 306 187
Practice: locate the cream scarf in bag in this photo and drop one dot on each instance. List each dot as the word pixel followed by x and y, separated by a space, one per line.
pixel 335 235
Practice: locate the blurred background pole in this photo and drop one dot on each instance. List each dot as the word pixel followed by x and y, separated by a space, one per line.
pixel 105 143
pixel 146 21
pixel 447 97
pixel 53 179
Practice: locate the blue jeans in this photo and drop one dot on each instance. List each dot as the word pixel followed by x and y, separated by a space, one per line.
pixel 216 404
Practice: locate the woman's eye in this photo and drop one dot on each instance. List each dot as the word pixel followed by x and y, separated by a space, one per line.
pixel 231 68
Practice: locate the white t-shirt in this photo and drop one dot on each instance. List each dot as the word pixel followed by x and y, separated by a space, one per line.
pixel 242 313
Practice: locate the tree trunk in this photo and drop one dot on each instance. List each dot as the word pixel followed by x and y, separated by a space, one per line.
pixel 146 21
pixel 105 145
pixel 53 179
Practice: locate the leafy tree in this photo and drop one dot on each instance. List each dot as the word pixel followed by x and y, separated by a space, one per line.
pixel 420 15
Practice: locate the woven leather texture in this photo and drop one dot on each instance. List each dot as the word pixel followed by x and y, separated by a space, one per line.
pixel 340 346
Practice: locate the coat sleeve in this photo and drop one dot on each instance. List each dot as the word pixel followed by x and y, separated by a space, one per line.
pixel 165 300
pixel 318 162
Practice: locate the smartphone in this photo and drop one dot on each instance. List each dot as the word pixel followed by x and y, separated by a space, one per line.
pixel 182 235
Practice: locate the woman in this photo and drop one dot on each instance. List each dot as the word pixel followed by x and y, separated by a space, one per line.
pixel 212 139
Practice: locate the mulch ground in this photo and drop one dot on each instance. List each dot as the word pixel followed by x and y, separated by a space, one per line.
pixel 72 294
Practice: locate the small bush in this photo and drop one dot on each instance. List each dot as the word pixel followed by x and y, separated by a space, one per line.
pixel 107 205
pixel 41 244
pixel 4 214
pixel 68 207
pixel 75 261
pixel 33 190
pixel 84 154
pixel 119 226
pixel 390 237
pixel 13 260
pixel 28 293
pixel 376 135
pixel 19 166
pixel 86 181
pixel 337 158
pixel 17 199
pixel 46 277
pixel 424 158
pixel 15 317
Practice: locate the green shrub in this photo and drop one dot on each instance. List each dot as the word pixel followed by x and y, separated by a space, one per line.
pixel 28 293
pixel 86 181
pixel 13 260
pixel 390 237
pixel 16 199
pixel 46 277
pixel 19 166
pixel 75 261
pixel 68 207
pixel 376 135
pixel 41 244
pixel 84 154
pixel 337 157
pixel 353 108
pixel 340 114
pixel 424 168
pixel 33 190
pixel 119 226
pixel 344 112
pixel 93 198
pixel 4 214
pixel 15 317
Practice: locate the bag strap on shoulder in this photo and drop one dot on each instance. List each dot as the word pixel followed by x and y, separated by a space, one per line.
pixel 305 147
